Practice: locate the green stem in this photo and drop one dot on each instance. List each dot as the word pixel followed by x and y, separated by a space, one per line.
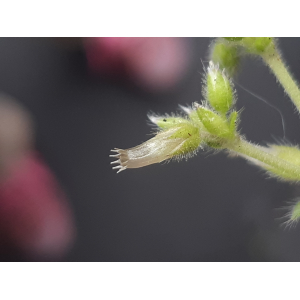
pixel 247 149
pixel 274 61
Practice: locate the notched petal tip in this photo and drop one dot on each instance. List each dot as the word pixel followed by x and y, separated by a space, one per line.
pixel 115 162
pixel 122 159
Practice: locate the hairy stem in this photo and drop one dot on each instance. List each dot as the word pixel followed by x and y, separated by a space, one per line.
pixel 247 149
pixel 274 61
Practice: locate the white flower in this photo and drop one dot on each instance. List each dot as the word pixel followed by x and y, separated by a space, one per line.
pixel 176 141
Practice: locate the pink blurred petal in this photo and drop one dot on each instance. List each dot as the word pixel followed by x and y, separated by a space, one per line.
pixel 153 63
pixel 159 63
pixel 33 210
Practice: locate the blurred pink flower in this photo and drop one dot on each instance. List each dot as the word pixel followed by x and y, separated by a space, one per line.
pixel 154 63
pixel 35 217
pixel 33 209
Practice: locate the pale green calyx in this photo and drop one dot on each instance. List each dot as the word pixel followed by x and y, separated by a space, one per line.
pixel 180 140
pixel 219 91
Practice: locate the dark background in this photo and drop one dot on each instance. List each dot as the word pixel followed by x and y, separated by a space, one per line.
pixel 210 208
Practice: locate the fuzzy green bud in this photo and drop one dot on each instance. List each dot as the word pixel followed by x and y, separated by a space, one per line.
pixel 226 55
pixel 219 92
pixel 216 142
pixel 256 45
pixel 180 140
pixel 215 124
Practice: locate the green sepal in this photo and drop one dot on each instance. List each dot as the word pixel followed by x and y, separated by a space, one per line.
pixel 215 124
pixel 195 118
pixel 233 121
pixel 190 135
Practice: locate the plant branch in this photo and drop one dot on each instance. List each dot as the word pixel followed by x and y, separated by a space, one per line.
pixel 274 61
pixel 247 149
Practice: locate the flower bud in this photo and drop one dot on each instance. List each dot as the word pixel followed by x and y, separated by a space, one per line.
pixel 218 90
pixel 216 124
pixel 175 142
pixel 226 55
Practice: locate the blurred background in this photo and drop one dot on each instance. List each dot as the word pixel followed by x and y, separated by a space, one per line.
pixel 65 102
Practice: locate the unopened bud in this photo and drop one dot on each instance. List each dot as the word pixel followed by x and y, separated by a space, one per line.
pixel 226 55
pixel 216 124
pixel 218 90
